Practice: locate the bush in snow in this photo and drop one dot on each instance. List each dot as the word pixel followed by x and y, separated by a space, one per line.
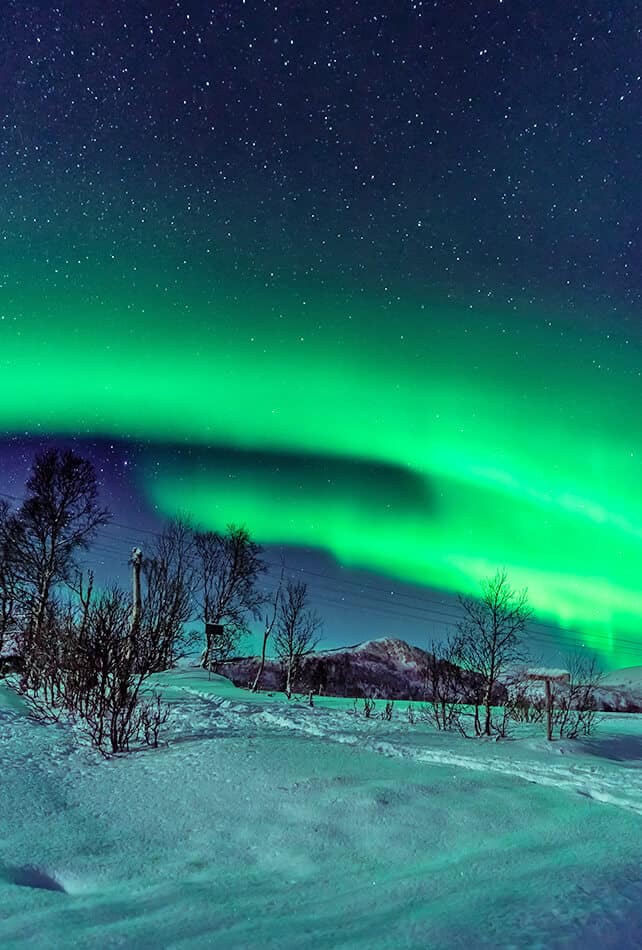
pixel 112 669
pixel 368 707
pixel 444 685
pixel 489 640
pixel 95 667
pixel 575 704
pixel 523 706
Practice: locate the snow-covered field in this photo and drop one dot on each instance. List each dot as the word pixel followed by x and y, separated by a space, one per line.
pixel 267 824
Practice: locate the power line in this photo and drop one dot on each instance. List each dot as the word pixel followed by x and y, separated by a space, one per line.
pixel 427 609
pixel 436 614
pixel 438 606
pixel 423 609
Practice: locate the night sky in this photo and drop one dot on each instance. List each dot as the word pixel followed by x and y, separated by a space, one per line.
pixel 365 276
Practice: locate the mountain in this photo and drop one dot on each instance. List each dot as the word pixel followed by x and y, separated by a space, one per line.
pixel 393 669
pixel 630 677
pixel 386 667
pixel 621 690
pixel 617 691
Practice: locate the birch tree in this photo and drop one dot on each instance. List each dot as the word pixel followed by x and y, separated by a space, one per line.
pixel 297 631
pixel 57 520
pixel 228 568
pixel 168 602
pixel 489 638
pixel 268 626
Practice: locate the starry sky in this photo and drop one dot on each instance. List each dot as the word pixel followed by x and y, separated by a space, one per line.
pixel 364 276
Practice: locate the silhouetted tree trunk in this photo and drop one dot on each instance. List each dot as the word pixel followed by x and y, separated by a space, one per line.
pixel 267 631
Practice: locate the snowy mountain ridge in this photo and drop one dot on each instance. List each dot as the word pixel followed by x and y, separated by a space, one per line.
pixel 627 676
pixel 392 668
pixel 383 667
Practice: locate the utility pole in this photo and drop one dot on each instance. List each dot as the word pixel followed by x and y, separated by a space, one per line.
pixel 137 563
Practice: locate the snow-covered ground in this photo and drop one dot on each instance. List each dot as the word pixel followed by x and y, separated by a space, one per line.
pixel 267 824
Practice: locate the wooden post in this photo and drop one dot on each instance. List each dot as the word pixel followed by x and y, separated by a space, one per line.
pixel 547 677
pixel 549 710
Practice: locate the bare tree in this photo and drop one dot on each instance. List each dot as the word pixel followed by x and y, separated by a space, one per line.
pixel 444 684
pixel 228 567
pixel 58 519
pixel 41 671
pixel 110 678
pixel 168 601
pixel 575 710
pixel 268 626
pixel 50 677
pixel 489 638
pixel 73 636
pixel 525 701
pixel 104 681
pixel 11 594
pixel 298 631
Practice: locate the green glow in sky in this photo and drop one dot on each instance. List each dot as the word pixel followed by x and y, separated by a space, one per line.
pixel 500 444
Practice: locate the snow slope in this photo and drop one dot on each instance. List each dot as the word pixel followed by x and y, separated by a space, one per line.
pixel 269 824
pixel 629 676
pixel 621 690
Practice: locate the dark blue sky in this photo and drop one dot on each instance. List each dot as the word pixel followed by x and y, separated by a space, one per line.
pixel 489 153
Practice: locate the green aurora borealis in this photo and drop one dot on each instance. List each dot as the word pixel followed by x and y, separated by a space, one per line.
pixel 364 277
pixel 499 440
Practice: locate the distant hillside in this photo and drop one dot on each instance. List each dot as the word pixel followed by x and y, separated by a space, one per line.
pixel 385 667
pixel 618 691
pixel 621 690
pixel 630 676
pixel 394 669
